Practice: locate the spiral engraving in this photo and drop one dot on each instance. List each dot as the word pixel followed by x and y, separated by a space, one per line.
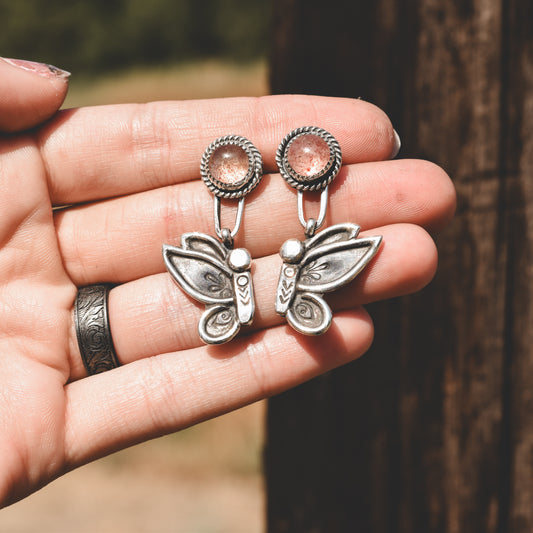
pixel 309 313
pixel 221 322
pixel 92 329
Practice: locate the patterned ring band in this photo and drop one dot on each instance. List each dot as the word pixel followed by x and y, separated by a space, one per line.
pixel 91 320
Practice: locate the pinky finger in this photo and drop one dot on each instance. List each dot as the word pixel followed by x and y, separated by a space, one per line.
pixel 159 395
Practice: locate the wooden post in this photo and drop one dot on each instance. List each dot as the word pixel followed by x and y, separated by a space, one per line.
pixel 432 431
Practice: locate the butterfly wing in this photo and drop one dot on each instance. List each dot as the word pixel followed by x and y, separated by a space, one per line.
pixel 200 275
pixel 201 242
pixel 332 258
pixel 218 324
pixel 328 265
pixel 200 269
pixel 309 314
pixel 332 234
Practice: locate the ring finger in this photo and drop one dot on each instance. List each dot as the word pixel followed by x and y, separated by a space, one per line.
pixel 151 315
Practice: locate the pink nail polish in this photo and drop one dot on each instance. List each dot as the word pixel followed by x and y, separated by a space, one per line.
pixel 42 69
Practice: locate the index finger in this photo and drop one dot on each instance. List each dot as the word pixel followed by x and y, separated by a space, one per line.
pixel 30 93
pixel 107 151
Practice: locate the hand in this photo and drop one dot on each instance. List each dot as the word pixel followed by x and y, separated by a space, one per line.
pixel 130 174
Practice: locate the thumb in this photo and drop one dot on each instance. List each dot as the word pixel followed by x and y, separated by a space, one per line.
pixel 30 93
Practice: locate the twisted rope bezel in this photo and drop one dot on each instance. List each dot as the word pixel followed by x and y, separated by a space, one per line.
pixel 244 186
pixel 318 181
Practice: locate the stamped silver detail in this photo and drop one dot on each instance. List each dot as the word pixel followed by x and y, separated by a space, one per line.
pixel 331 259
pixel 217 276
pixel 91 321
pixel 244 178
pixel 315 178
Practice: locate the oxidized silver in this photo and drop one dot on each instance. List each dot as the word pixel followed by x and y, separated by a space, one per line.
pixel 218 277
pixel 317 265
pixel 91 320
pixel 211 271
pixel 225 234
pixel 323 262
pixel 311 225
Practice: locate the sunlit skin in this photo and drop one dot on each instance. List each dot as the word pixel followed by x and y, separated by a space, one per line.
pixel 130 175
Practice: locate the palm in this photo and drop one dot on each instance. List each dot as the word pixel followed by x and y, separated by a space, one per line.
pixel 37 295
pixel 130 175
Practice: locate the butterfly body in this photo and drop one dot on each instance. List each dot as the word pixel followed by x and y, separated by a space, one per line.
pixel 217 276
pixel 322 263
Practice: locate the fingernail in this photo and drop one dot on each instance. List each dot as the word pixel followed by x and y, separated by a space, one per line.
pixel 42 69
pixel 396 146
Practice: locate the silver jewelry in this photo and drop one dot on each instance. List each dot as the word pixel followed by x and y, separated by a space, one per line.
pixel 309 159
pixel 209 270
pixel 91 319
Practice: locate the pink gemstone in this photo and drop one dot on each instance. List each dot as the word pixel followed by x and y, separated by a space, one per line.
pixel 229 164
pixel 308 155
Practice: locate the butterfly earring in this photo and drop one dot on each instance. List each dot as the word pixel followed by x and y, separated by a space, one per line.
pixel 309 159
pixel 210 270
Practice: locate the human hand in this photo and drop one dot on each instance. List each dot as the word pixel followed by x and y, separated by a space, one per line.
pixel 130 174
pixel 30 93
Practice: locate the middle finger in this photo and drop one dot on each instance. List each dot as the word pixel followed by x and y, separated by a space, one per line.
pixel 120 240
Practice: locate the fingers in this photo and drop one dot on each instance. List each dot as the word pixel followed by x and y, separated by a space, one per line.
pixel 166 393
pixel 30 93
pixel 108 151
pixel 120 240
pixel 152 315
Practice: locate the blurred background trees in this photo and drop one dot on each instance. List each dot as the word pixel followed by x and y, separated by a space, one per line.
pixel 205 479
pixel 104 35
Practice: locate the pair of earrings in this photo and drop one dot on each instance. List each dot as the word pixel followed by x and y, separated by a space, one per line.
pixel 216 274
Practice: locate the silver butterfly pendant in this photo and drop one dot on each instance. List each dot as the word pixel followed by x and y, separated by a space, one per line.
pixel 217 276
pixel 322 263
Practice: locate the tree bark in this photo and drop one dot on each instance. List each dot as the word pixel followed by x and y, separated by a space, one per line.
pixel 432 430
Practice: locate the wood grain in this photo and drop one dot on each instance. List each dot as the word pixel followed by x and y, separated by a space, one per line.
pixel 431 431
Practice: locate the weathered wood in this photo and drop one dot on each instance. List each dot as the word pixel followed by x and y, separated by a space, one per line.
pixel 433 429
pixel 517 168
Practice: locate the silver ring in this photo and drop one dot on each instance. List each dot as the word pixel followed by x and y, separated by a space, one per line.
pixel 91 320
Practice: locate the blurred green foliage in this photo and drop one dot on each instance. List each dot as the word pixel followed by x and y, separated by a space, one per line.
pixel 89 36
